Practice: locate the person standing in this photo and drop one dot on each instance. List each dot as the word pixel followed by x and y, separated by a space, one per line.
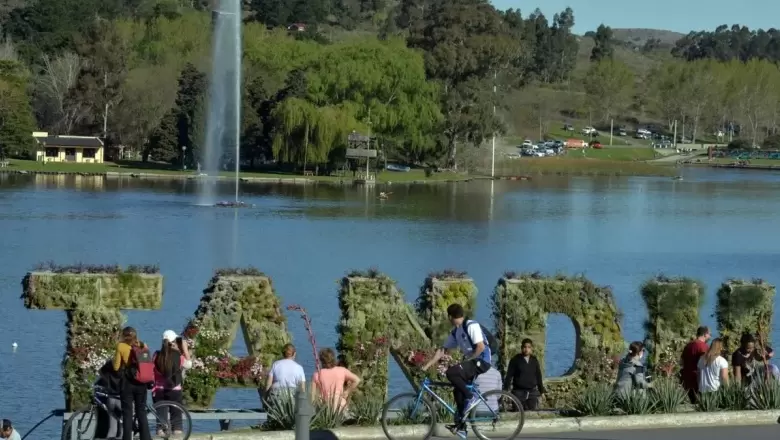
pixel 286 375
pixel 744 360
pixel 488 381
pixel 133 361
pixel 333 384
pixel 169 366
pixel 713 368
pixel 524 377
pixel 631 372
pixel 693 351
pixel 9 432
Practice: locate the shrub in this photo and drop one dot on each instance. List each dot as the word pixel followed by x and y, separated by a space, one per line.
pixel 733 397
pixel 328 414
pixel 639 402
pixel 743 307
pixel 765 393
pixel 708 402
pixel 668 395
pixel 596 400
pixel 281 412
pixel 366 411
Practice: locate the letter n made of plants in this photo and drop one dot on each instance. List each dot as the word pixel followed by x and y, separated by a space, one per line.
pixel 92 296
pixel 375 319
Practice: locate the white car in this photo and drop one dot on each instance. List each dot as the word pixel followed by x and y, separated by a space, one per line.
pixel 588 130
pixel 527 144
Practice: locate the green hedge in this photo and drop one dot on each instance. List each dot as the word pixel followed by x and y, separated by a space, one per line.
pixel 673 316
pixel 436 294
pixel 66 291
pixel 521 303
pixel 744 307
pixel 234 299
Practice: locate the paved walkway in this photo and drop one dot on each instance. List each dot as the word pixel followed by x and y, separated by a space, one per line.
pixel 717 433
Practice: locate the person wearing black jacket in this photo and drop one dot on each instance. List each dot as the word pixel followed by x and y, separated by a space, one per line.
pixel 109 424
pixel 524 377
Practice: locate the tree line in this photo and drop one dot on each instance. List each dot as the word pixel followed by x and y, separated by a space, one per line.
pixel 425 82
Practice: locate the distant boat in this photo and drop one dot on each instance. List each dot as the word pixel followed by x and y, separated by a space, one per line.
pixel 233 204
pixel 403 169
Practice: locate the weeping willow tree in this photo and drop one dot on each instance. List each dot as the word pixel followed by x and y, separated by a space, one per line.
pixel 307 133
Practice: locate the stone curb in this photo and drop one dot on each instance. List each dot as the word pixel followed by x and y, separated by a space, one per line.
pixel 536 426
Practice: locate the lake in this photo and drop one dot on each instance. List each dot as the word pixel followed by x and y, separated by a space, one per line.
pixel 712 225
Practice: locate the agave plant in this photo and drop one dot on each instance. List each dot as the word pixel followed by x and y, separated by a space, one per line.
pixel 667 395
pixel 733 397
pixel 637 402
pixel 280 411
pixel 366 411
pixel 328 413
pixel 596 400
pixel 765 393
pixel 708 402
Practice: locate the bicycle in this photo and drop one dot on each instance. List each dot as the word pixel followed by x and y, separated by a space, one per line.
pixel 82 424
pixel 500 411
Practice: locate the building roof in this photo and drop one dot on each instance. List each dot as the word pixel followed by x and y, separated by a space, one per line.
pixel 70 141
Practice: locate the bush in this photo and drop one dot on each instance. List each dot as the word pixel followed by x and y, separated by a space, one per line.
pixel 596 400
pixel 740 144
pixel 772 142
pixel 733 397
pixel 636 402
pixel 428 172
pixel 708 402
pixel 366 411
pixel 280 412
pixel 765 393
pixel 668 395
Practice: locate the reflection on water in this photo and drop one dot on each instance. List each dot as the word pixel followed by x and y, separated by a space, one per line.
pixel 617 231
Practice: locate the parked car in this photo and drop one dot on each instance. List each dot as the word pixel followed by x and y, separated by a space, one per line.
pixel 589 130
pixel 622 132
pixel 596 144
pixel 568 127
pixel 527 143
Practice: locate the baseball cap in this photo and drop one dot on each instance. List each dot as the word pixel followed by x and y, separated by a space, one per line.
pixel 170 335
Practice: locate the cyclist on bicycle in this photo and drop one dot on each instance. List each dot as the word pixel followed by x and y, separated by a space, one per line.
pixel 469 337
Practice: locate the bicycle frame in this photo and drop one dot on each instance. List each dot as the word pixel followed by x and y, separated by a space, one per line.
pixel 425 388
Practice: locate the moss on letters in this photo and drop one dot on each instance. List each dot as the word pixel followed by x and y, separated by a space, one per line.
pixel 744 307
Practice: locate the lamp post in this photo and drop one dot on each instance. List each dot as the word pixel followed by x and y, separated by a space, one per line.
pixel 183 156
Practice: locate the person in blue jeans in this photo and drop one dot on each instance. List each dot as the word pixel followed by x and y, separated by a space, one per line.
pixel 469 337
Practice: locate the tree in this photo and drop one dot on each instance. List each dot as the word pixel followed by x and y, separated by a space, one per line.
pixel 190 105
pixel 758 81
pixel 16 117
pixel 163 145
pixel 602 44
pixel 564 46
pixel 608 85
pixel 53 87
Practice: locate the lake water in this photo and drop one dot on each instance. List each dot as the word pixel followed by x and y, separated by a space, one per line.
pixel 617 231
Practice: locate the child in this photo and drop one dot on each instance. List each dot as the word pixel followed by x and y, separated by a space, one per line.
pixel 169 365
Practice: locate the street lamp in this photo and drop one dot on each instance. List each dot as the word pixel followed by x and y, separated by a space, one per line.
pixel 183 156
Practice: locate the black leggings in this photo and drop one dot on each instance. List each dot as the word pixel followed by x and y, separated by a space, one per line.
pixel 133 396
pixel 162 413
pixel 460 376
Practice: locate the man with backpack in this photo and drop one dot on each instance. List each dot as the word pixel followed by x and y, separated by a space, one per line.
pixel 476 343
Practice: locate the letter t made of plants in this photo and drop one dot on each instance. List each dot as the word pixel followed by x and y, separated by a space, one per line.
pixel 92 298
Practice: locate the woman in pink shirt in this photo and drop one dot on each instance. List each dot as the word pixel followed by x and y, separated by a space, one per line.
pixel 331 380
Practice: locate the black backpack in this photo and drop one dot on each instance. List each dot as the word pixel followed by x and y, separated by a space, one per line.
pixel 492 343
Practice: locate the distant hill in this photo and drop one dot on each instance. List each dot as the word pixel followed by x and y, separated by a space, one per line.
pixel 639 37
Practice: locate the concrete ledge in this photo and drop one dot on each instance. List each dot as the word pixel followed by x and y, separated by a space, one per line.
pixel 533 426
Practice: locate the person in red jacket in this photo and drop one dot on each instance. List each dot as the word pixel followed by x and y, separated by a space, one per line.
pixel 689 372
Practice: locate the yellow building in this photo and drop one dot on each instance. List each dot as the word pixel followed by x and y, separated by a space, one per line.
pixel 76 149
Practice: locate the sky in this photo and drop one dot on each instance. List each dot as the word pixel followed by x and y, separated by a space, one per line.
pixel 675 15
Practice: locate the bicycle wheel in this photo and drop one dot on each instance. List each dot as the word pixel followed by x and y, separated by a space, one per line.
pixel 81 425
pixel 404 416
pixel 165 416
pixel 501 418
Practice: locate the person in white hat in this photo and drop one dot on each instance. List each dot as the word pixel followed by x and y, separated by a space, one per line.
pixel 169 366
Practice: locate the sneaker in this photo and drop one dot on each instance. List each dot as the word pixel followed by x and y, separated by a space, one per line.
pixel 457 429
pixel 471 405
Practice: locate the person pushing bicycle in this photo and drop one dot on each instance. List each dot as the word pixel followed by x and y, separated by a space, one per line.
pixel 474 341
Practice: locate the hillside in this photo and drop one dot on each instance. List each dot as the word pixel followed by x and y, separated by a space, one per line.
pixel 639 37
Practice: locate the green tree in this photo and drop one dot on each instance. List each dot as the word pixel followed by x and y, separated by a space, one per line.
pixel 163 145
pixel 603 45
pixel 608 86
pixel 16 117
pixel 190 105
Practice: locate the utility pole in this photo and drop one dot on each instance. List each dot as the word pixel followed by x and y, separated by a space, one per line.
pixel 368 159
pixel 611 130
pixel 493 160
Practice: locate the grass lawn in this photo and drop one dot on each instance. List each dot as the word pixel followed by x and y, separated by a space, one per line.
pixel 132 167
pixel 617 153
pixel 567 166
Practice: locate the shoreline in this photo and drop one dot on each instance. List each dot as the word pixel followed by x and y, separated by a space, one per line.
pixel 531 426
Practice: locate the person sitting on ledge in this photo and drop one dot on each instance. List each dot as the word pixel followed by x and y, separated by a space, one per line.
pixel 631 373
pixel 9 432
pixel 772 367
pixel 524 377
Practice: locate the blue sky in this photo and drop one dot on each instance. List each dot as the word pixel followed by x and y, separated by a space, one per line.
pixel 674 15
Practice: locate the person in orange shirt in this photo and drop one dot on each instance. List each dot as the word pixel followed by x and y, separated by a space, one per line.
pixel 333 384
